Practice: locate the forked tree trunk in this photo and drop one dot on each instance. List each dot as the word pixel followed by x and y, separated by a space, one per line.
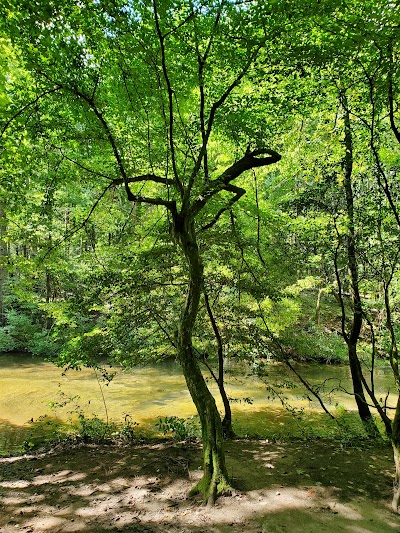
pixel 215 477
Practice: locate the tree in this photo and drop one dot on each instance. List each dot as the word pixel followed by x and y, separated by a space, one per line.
pixel 352 336
pixel 115 73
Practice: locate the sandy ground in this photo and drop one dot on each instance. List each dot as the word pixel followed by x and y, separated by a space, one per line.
pixel 290 487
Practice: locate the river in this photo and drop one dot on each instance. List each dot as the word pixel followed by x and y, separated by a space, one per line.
pixel 29 386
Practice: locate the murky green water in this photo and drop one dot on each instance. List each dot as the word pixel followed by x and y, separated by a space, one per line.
pixel 28 387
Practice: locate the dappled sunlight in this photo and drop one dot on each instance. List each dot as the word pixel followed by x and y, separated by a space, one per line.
pixel 110 488
pixel 18 484
pixel 59 477
pixel 347 511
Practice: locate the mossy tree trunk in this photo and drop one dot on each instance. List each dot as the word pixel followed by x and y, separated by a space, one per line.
pixel 184 199
pixel 215 478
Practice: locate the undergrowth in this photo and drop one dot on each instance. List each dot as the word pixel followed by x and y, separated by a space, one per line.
pixel 346 430
pixel 46 432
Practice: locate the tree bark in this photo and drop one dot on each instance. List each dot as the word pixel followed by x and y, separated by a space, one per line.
pixel 227 420
pixel 318 307
pixel 362 405
pixel 215 477
pixel 357 319
pixel 3 260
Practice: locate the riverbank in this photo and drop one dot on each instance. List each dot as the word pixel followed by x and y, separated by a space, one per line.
pixel 295 486
pixel 37 399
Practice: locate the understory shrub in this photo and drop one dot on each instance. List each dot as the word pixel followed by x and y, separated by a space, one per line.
pixel 181 429
pixel 22 332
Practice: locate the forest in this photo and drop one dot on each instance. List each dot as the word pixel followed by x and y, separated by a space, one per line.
pixel 206 182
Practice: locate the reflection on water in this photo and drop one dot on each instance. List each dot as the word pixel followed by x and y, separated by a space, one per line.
pixel 28 387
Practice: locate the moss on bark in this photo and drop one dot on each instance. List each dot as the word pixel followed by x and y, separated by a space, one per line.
pixel 215 479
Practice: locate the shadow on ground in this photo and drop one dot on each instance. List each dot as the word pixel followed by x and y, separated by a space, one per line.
pixel 311 487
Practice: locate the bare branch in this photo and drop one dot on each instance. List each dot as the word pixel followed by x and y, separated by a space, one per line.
pixel 171 205
pixel 390 95
pixel 109 134
pixel 201 64
pixel 158 318
pixel 248 161
pixel 212 114
pixel 241 248
pixel 239 192
pixel 385 419
pixel 97 80
pixel 229 90
pixel 284 358
pixel 83 167
pixel 176 28
pixel 161 39
pixel 145 177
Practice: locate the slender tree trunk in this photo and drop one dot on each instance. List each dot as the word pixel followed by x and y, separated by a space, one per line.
pixel 3 259
pixel 354 334
pixel 48 286
pixel 355 369
pixel 215 478
pixel 227 420
pixel 66 229
pixel 318 307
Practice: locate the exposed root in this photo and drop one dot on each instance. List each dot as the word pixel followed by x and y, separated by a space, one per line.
pixel 211 488
pixel 227 430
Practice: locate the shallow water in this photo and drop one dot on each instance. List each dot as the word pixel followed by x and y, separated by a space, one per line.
pixel 28 387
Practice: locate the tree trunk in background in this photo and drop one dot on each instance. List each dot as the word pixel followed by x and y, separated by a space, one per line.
pixel 227 420
pixel 354 334
pixel 318 307
pixel 3 259
pixel 362 406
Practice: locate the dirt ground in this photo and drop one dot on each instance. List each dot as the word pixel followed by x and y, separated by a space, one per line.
pixel 291 487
